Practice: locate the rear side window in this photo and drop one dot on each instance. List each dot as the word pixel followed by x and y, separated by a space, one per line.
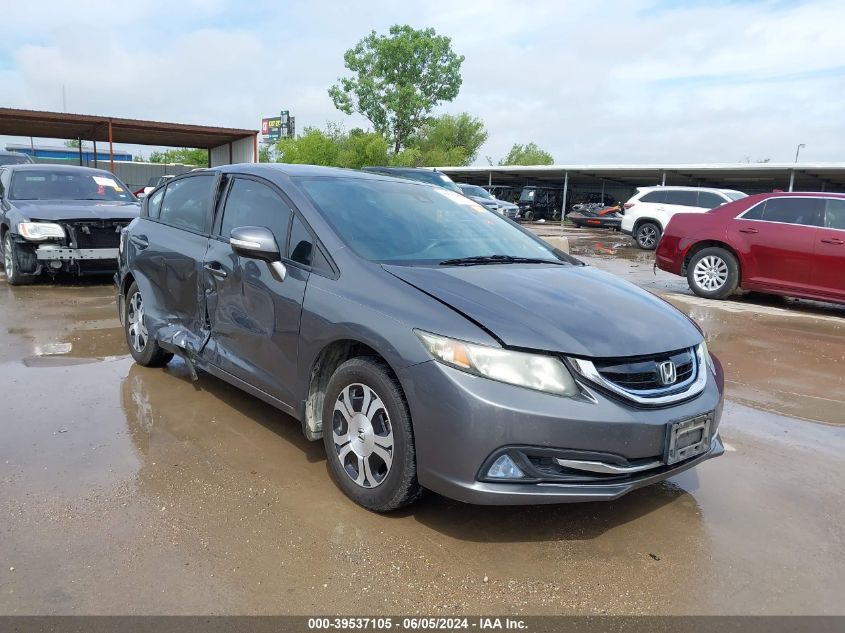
pixel 251 203
pixel 186 201
pixel 682 198
pixel 804 211
pixel 154 203
pixel 654 196
pixel 834 215
pixel 709 200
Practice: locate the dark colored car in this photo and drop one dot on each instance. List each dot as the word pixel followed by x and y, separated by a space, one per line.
pixel 14 158
pixel 420 174
pixel 600 218
pixel 398 321
pixel 61 219
pixel 789 244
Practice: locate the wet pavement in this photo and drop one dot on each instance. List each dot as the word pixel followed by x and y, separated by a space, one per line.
pixel 126 490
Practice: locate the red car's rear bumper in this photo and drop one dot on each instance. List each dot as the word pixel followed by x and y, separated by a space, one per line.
pixel 669 255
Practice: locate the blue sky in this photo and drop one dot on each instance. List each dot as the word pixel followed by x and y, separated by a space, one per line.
pixel 605 81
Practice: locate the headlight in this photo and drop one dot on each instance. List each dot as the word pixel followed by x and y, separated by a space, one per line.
pixel 533 371
pixel 705 356
pixel 40 230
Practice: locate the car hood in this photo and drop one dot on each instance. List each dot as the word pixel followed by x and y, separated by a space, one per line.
pixel 576 310
pixel 77 209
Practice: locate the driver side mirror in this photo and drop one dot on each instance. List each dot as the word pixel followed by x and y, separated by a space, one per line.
pixel 258 242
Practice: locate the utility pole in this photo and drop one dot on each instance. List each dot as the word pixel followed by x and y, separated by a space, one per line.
pixel 798 149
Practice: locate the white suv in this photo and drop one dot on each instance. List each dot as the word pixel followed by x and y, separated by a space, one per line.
pixel 649 211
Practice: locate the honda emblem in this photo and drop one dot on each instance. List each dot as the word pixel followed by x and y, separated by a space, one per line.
pixel 668 373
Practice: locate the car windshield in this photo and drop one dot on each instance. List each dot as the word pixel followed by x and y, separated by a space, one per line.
pixel 54 184
pixel 397 222
pixel 475 190
pixel 735 195
pixel 527 195
pixel 13 159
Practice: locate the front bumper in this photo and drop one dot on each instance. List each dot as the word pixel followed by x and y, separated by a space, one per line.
pixel 48 252
pixel 462 421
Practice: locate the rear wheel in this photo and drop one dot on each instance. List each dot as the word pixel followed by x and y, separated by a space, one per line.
pixel 528 215
pixel 144 349
pixel 12 257
pixel 647 235
pixel 368 438
pixel 713 273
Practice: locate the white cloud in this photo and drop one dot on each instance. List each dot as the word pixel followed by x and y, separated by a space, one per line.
pixel 607 81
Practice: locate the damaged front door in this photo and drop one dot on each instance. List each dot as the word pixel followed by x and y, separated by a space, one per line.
pixel 254 314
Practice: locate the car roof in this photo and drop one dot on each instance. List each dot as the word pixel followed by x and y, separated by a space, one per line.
pixel 68 168
pixel 683 188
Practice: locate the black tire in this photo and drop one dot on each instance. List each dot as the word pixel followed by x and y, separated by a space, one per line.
pixel 13 258
pixel 713 273
pixel 647 235
pixel 145 351
pixel 556 216
pixel 528 216
pixel 383 487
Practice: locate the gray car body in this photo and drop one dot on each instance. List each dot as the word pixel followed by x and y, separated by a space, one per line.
pixel 296 329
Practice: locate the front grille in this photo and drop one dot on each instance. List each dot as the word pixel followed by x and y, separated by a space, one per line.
pixel 95 234
pixel 643 374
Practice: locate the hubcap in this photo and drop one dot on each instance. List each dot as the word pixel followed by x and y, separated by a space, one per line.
pixel 363 435
pixel 135 323
pixel 710 273
pixel 648 236
pixel 8 261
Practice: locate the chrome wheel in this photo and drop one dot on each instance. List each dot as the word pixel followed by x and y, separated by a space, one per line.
pixel 8 260
pixel 363 435
pixel 647 236
pixel 710 273
pixel 135 323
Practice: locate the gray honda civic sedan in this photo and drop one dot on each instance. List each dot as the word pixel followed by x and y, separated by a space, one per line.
pixel 430 343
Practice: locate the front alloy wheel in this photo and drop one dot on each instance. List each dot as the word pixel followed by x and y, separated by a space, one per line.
pixel 368 437
pixel 363 436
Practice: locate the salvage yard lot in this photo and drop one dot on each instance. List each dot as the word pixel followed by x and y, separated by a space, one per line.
pixel 157 495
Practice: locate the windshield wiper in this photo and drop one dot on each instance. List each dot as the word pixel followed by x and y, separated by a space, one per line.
pixel 478 260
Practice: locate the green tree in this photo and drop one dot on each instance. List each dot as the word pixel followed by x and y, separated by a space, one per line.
pixel 334 147
pixel 450 140
pixel 73 142
pixel 398 79
pixel 183 155
pixel 529 154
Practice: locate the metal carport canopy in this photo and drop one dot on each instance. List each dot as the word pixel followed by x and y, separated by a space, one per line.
pixel 14 122
pixel 807 176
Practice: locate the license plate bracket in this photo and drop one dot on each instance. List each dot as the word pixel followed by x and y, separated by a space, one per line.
pixel 688 437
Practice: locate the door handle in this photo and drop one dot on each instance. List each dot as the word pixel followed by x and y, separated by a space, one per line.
pixel 833 240
pixel 748 230
pixel 140 241
pixel 216 269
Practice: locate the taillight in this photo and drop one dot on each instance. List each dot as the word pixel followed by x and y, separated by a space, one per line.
pixel 628 205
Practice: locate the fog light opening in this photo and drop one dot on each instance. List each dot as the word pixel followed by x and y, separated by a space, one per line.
pixel 505 468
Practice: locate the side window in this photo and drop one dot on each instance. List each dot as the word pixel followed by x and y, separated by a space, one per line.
pixel 682 198
pixel 654 196
pixel 154 203
pixel 185 203
pixel 806 211
pixel 834 215
pixel 755 213
pixel 251 203
pixel 709 200
pixel 301 243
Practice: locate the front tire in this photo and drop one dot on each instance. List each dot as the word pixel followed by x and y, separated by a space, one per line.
pixel 12 257
pixel 143 347
pixel 713 273
pixel 368 437
pixel 647 235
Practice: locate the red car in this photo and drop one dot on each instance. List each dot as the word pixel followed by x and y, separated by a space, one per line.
pixel 781 243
